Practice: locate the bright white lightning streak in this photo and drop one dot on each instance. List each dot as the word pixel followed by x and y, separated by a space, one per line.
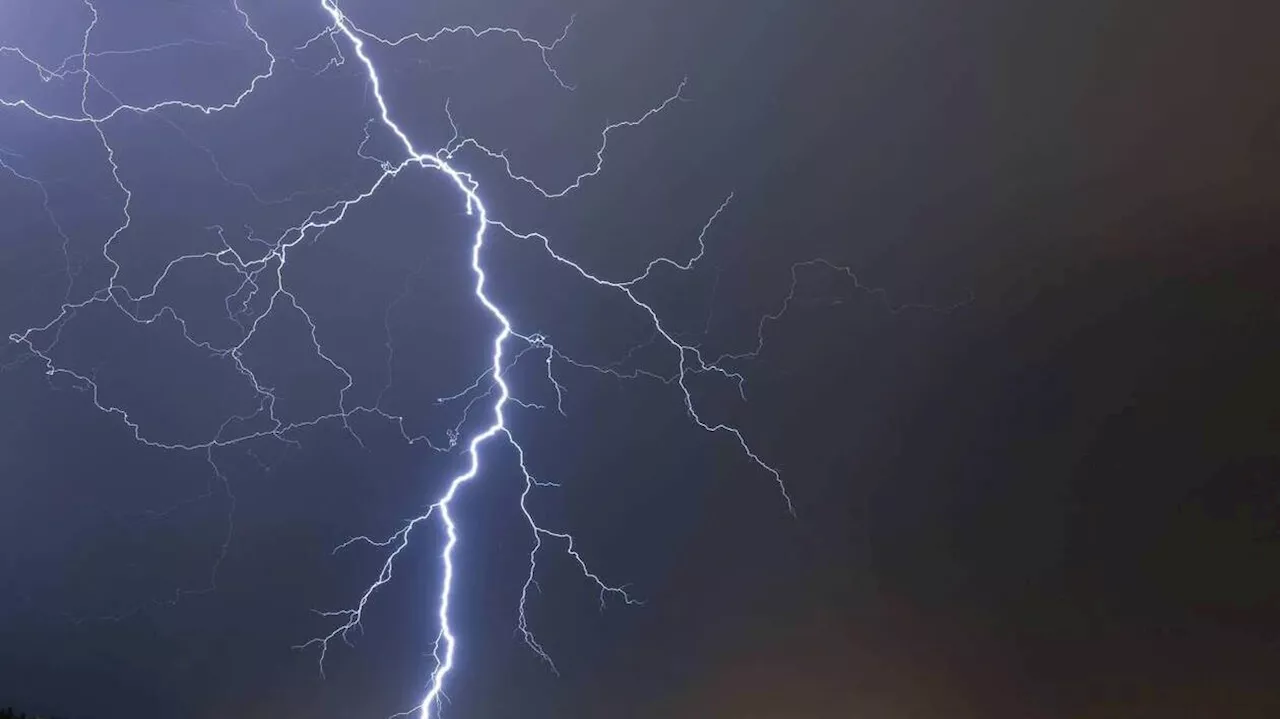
pixel 445 662
pixel 266 273
pixel 468 187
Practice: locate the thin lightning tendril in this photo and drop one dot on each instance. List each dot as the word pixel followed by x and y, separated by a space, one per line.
pixel 261 266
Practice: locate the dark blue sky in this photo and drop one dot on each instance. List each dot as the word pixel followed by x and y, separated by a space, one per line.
pixel 1059 499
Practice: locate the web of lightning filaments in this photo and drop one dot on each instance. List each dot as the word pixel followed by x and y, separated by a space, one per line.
pixel 262 271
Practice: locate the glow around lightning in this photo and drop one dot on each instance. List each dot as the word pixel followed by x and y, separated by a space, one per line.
pixel 262 272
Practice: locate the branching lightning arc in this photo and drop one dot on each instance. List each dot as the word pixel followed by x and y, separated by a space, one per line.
pixel 262 272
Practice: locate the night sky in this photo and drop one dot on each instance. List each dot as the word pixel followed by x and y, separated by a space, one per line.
pixel 1036 471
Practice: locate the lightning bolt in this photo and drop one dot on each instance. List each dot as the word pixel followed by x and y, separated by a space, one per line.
pixel 261 266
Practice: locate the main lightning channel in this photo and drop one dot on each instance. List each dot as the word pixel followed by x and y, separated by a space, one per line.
pixel 444 663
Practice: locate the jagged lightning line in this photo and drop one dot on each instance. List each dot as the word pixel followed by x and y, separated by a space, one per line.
pixel 84 55
pixel 444 663
pixel 260 265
